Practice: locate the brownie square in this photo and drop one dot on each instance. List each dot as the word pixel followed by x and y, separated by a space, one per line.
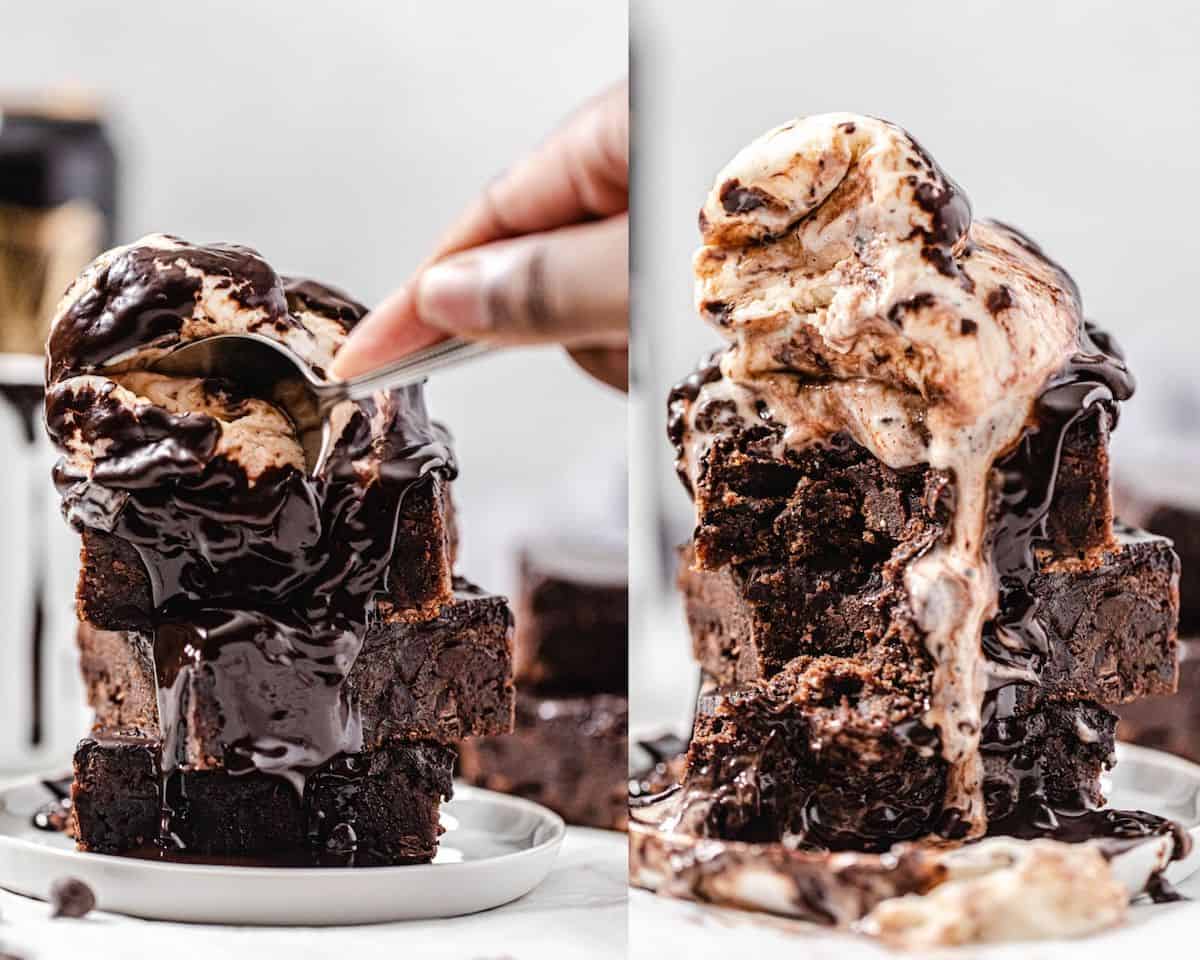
pixel 573 617
pixel 567 753
pixel 378 807
pixel 1109 620
pixel 1170 722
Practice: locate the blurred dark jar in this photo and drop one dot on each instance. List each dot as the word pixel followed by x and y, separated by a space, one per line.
pixel 57 211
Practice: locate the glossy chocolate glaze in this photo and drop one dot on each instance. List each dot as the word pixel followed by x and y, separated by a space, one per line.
pixel 263 587
pixel 949 212
pixel 1091 384
pixel 680 399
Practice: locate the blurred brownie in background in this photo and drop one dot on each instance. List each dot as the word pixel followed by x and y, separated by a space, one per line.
pixel 1164 498
pixel 568 750
pixel 573 617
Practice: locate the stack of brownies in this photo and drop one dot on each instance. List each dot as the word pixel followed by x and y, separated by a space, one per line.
pixel 568 750
pixel 907 595
pixel 279 659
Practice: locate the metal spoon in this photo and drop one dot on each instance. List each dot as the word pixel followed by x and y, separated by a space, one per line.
pixel 272 370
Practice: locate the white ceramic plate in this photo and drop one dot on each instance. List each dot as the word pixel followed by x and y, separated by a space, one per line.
pixel 495 849
pixel 1160 783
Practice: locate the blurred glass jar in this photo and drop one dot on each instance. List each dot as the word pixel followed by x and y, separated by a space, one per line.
pixel 57 200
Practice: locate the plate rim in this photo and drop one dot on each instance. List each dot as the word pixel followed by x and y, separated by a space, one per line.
pixel 1153 754
pixel 552 841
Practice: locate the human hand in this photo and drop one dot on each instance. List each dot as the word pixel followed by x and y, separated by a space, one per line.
pixel 540 257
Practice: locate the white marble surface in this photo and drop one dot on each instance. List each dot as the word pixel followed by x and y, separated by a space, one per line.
pixel 578 911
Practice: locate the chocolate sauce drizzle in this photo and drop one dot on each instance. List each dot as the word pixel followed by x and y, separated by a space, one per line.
pixel 680 400
pixel 1091 384
pixel 261 590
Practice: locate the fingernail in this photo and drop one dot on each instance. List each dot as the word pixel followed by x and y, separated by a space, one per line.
pixel 450 295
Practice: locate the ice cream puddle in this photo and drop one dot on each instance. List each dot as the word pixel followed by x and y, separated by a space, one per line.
pixel 859 298
pixel 262 577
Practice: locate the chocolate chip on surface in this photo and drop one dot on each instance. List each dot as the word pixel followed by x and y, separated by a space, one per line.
pixel 71 897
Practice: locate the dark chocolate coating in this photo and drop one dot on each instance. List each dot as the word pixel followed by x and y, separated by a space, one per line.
pixel 265 588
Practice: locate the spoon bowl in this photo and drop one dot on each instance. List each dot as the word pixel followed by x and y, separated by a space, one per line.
pixel 272 370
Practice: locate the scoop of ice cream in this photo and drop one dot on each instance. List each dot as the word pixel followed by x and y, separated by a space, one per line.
pixel 836 247
pixel 253 432
pixel 134 302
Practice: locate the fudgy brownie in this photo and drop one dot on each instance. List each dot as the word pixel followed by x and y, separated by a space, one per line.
pixel 114 586
pixel 1160 498
pixel 573 617
pixel 797 599
pixel 567 753
pixel 438 679
pixel 441 679
pixel 231 577
pixel 834 504
pixel 1170 722
pixel 118 674
pixel 1109 620
pixel 1042 754
pixel 819 755
pixel 371 809
pixel 833 754
pixel 1157 496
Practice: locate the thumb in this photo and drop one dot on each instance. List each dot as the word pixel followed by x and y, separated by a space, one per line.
pixel 568 286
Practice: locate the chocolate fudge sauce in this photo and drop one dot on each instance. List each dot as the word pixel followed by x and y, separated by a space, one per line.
pixel 262 588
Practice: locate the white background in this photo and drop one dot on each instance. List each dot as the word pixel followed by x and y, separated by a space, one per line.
pixel 1073 120
pixel 340 139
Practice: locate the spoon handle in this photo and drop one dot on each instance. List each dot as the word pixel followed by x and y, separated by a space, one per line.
pixel 414 368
